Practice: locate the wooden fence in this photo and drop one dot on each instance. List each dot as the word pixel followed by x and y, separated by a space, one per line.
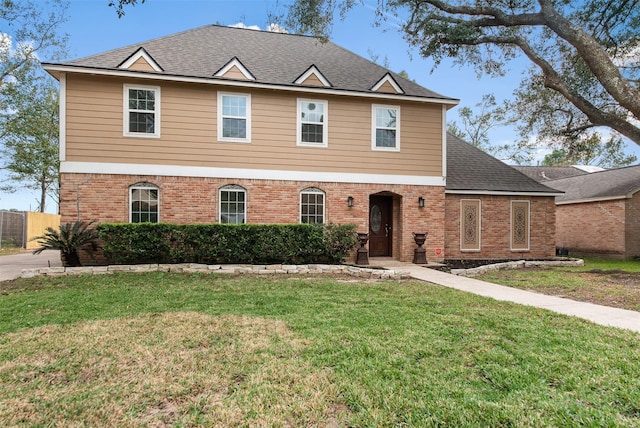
pixel 18 228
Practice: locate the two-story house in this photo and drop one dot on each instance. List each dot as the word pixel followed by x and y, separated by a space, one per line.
pixel 230 125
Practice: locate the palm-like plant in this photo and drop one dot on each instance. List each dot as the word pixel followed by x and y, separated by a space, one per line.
pixel 69 239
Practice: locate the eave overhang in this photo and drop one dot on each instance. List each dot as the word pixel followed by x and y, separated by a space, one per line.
pixel 56 69
pixel 500 193
pixel 600 199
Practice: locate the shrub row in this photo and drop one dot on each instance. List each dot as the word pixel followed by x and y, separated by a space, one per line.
pixel 129 243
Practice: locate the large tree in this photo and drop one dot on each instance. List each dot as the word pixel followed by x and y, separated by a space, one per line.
pixel 29 31
pixel 31 136
pixel 585 56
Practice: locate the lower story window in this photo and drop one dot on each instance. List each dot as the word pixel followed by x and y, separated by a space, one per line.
pixel 233 205
pixel 312 206
pixel 144 206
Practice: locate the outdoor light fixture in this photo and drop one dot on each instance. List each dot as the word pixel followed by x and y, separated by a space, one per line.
pixel 421 202
pixel 350 201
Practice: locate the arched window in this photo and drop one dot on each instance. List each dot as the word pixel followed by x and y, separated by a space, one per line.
pixel 233 204
pixel 312 205
pixel 144 203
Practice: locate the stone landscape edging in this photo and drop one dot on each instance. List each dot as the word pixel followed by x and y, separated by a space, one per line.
pixel 518 264
pixel 360 272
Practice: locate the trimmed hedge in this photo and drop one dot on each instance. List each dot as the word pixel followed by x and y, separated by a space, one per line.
pixel 131 243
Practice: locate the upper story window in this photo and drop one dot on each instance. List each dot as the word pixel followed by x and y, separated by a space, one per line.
pixel 312 206
pixel 144 202
pixel 312 123
pixel 234 117
pixel 141 111
pixel 233 205
pixel 385 129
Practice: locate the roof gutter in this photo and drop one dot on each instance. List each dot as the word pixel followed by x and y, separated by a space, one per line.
pixel 500 193
pixel 55 69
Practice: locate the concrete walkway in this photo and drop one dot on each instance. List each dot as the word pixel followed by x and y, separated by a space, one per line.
pixel 11 266
pixel 603 315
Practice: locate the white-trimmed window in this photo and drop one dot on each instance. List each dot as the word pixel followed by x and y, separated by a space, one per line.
pixel 470 224
pixel 141 111
pixel 234 117
pixel 233 204
pixel 520 225
pixel 312 206
pixel 312 123
pixel 144 203
pixel 385 128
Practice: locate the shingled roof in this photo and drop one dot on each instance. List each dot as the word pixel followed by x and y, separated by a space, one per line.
pixel 470 170
pixel 546 173
pixel 609 184
pixel 271 58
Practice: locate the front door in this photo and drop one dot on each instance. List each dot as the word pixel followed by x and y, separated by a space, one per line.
pixel 380 221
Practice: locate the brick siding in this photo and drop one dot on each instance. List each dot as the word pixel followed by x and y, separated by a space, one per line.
pixel 632 227
pixel 496 228
pixel 601 228
pixel 105 198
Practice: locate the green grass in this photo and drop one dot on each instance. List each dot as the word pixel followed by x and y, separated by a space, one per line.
pixel 159 348
pixel 614 283
pixel 609 264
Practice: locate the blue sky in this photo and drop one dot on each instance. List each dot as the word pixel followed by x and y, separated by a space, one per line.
pixel 93 27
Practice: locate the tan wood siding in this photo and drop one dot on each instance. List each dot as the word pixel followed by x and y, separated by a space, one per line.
pixel 234 73
pixel 188 137
pixel 312 80
pixel 388 88
pixel 141 64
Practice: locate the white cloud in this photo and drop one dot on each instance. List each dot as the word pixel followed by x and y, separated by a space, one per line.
pixel 243 25
pixel 273 27
pixel 276 28
pixel 627 57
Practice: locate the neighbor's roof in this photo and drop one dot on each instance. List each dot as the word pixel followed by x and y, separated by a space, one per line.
pixel 546 173
pixel 608 184
pixel 470 170
pixel 271 58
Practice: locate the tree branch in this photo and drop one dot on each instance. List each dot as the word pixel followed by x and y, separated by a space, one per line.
pixel 596 58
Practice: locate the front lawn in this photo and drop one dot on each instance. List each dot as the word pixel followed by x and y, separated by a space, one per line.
pixel 614 283
pixel 181 350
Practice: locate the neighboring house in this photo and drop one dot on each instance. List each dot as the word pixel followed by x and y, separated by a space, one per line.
pixel 230 125
pixel 546 173
pixel 599 213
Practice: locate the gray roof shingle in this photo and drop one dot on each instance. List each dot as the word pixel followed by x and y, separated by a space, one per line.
pixel 273 58
pixel 608 184
pixel 471 169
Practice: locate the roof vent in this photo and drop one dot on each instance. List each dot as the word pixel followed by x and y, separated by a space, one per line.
pixel 140 60
pixel 313 77
pixel 388 85
pixel 234 69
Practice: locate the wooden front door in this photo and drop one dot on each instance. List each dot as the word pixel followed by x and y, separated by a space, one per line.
pixel 380 222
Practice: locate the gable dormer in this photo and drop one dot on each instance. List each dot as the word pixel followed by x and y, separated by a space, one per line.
pixel 234 69
pixel 387 85
pixel 140 60
pixel 313 77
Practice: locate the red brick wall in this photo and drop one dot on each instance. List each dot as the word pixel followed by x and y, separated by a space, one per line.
pixel 632 229
pixel 496 228
pixel 592 227
pixel 105 198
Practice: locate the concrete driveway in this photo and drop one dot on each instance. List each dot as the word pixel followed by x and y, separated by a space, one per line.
pixel 11 266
